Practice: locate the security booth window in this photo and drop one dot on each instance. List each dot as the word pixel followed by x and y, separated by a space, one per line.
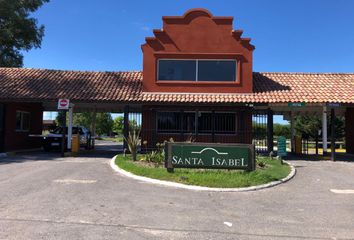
pixel 172 70
pixel 22 121
pixel 216 70
pixel 168 122
pixel 219 123
pixel 197 70
pixel 208 122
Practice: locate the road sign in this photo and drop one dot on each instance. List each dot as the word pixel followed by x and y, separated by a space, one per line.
pixel 296 104
pixel 63 104
pixel 333 105
pixel 209 155
pixel 281 146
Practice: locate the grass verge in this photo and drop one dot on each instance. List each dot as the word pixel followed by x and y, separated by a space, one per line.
pixel 272 171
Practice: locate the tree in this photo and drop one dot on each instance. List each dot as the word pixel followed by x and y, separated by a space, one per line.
pixel 118 124
pixel 307 126
pixel 104 123
pixel 18 31
pixel 60 118
pixel 310 126
pixel 83 119
pixel 281 130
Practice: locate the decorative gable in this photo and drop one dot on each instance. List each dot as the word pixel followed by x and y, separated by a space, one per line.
pixel 208 40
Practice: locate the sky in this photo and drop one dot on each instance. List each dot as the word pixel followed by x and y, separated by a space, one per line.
pixel 106 35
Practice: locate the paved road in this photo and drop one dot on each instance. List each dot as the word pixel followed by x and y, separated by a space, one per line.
pixel 45 197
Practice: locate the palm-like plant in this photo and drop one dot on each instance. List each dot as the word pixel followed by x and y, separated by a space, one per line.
pixel 133 142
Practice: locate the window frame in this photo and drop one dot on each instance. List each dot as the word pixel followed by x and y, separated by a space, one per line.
pixel 22 113
pixel 236 80
pixel 181 130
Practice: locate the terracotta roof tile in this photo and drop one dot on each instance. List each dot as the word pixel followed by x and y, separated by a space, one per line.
pixel 22 84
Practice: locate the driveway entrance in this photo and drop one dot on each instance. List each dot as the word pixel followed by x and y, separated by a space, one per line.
pixel 47 197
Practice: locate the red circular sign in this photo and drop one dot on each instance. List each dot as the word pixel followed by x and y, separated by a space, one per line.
pixel 63 102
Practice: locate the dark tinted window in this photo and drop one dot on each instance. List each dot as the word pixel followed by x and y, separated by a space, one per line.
pixel 168 121
pixel 225 123
pixel 216 70
pixel 189 122
pixel 177 70
pixel 22 121
pixel 205 123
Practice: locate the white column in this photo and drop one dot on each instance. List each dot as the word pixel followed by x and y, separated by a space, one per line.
pixel 324 130
pixel 70 125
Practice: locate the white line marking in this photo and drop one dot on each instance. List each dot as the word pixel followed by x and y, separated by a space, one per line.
pixel 228 224
pixel 342 191
pixel 70 181
pixel 204 149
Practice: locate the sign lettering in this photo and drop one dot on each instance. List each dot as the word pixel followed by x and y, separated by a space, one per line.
pixel 208 155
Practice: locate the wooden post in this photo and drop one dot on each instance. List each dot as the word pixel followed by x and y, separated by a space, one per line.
pixel 333 136
pixel 269 130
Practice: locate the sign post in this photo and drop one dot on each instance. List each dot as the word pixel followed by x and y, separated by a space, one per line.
pixel 281 147
pixel 209 155
pixel 63 104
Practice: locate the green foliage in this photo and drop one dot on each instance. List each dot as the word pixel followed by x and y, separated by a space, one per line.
pixel 118 124
pixel 104 123
pixel 260 162
pixel 209 177
pixel 133 126
pixel 60 119
pixel 156 157
pixel 18 31
pixel 282 130
pixel 83 119
pixel 133 142
pixel 310 125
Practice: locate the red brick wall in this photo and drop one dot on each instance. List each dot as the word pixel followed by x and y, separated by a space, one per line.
pixel 149 133
pixel 15 140
pixel 349 130
pixel 197 35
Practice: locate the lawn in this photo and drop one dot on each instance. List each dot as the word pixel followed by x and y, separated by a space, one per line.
pixel 272 171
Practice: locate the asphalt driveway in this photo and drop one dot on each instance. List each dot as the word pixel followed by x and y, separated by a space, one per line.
pixel 46 197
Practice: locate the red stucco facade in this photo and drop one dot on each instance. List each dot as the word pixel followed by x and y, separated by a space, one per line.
pixel 18 140
pixel 197 35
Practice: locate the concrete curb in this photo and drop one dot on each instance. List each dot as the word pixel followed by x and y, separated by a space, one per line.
pixel 199 188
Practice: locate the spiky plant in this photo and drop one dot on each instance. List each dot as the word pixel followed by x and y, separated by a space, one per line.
pixel 133 142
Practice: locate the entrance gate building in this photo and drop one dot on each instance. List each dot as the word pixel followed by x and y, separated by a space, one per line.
pixel 197 83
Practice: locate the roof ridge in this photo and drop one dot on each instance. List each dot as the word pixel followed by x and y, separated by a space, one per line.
pixel 140 71
pixel 77 71
pixel 309 73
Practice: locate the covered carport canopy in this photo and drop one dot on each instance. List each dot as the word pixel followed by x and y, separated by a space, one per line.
pixel 114 91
